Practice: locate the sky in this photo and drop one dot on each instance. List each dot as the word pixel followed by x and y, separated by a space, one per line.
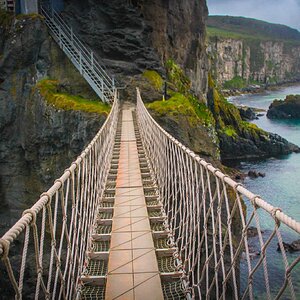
pixel 285 12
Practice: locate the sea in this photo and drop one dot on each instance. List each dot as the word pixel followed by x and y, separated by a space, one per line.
pixel 280 187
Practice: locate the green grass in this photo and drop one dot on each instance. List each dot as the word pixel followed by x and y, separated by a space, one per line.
pixel 177 78
pixel 217 32
pixel 180 104
pixel 49 89
pixel 230 131
pixel 213 32
pixel 154 78
pixel 236 82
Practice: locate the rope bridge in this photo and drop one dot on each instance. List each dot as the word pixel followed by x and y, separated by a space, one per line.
pixel 45 253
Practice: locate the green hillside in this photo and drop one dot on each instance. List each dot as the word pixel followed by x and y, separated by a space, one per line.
pixel 246 28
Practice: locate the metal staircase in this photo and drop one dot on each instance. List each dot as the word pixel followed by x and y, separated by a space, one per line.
pixel 81 56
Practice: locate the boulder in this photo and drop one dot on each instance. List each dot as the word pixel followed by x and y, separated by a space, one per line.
pixel 247 113
pixel 289 108
pixel 292 247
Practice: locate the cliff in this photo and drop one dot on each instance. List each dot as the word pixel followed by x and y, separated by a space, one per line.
pixel 133 36
pixel 246 51
pixel 38 140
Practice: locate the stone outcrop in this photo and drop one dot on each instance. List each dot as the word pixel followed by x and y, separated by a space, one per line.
pixel 285 109
pixel 37 141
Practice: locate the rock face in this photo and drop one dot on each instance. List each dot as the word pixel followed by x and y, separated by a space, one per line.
pixel 179 33
pixel 267 62
pixel 201 139
pixel 37 141
pixel 287 109
pixel 260 145
pixel 132 36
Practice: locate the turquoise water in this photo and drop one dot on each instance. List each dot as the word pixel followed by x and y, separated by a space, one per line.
pixel 280 187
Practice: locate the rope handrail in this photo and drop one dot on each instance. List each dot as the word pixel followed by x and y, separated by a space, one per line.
pixel 60 222
pixel 210 225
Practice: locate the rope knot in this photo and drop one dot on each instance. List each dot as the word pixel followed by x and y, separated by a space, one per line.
pixel 252 200
pixel 5 248
pixel 40 270
pixel 236 186
pixel 46 194
pixel 273 213
pixel 32 213
pixel 59 181
pixel 69 171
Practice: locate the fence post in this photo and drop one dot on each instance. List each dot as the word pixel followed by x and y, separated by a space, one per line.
pixel 80 62
pixel 92 59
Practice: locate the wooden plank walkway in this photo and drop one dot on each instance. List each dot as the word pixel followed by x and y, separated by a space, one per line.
pixel 132 266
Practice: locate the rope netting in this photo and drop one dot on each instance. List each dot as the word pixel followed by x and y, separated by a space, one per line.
pixel 230 241
pixel 43 254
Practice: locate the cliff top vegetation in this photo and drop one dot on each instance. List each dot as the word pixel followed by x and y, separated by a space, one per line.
pixel 246 28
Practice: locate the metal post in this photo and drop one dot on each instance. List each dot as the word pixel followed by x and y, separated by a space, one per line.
pixel 71 35
pixel 59 36
pixel 92 59
pixel 113 82
pixel 102 86
pixel 80 62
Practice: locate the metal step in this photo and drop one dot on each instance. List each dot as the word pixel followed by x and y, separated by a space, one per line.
pixel 92 292
pixel 105 215
pixel 173 289
pixel 161 243
pixel 157 226
pixel 100 246
pixel 102 229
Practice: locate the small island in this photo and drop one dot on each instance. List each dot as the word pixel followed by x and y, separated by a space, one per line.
pixel 289 108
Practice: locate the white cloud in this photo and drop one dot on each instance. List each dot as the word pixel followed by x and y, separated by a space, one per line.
pixel 276 11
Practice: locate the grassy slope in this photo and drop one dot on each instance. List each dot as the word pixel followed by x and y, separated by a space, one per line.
pixel 250 29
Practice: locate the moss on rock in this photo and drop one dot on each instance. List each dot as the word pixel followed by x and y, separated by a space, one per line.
pixel 53 94
pixel 154 79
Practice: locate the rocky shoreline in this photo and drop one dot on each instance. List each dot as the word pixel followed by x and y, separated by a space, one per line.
pixel 258 89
